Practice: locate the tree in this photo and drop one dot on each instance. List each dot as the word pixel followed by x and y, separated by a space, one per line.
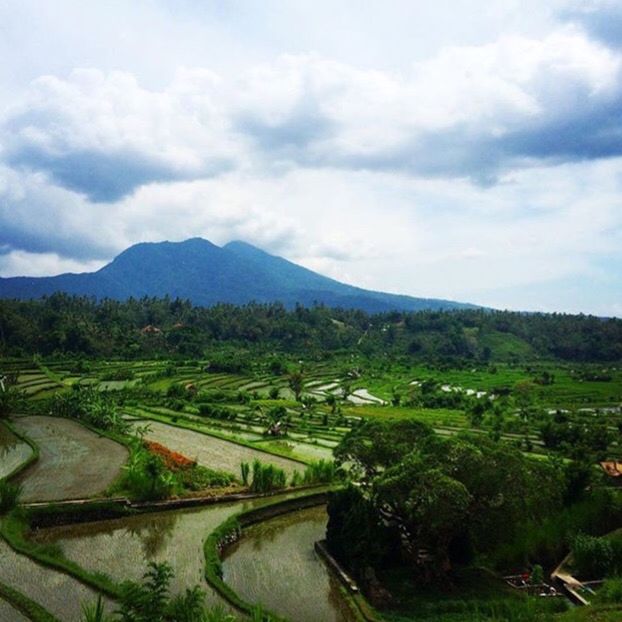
pixel 377 445
pixel 296 383
pixel 449 497
pixel 429 507
pixel 331 401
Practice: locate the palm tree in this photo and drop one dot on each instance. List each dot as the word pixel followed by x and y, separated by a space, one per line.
pixel 296 383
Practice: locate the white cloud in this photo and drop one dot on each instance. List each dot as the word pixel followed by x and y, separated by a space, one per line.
pixel 364 171
pixel 42 264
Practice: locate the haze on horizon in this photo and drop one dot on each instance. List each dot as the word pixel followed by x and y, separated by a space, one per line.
pixel 470 151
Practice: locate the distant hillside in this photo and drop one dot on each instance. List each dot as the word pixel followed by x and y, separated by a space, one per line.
pixel 167 327
pixel 207 274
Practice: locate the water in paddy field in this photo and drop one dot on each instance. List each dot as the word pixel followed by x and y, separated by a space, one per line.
pixel 13 451
pixel 123 547
pixel 275 564
pixel 59 593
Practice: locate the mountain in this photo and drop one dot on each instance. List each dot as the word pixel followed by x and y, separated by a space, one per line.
pixel 208 274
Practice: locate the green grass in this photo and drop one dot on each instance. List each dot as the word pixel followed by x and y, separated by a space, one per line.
pixel 472 595
pixel 32 610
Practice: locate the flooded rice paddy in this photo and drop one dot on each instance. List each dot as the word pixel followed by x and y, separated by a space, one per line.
pixel 213 452
pixel 275 564
pixel 7 613
pixel 122 548
pixel 13 452
pixel 73 463
pixel 57 592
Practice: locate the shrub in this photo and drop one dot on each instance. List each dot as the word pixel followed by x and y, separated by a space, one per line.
pixel 146 476
pixel 205 410
pixel 200 478
pixel 592 557
pixel 172 459
pixel 610 591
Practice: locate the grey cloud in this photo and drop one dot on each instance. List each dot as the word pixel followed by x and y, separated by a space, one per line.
pixel 293 135
pixel 49 240
pixel 602 20
pixel 103 176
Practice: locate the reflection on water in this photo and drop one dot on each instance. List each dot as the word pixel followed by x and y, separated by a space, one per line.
pixel 13 451
pixel 123 547
pixel 59 593
pixel 275 564
pixel 154 534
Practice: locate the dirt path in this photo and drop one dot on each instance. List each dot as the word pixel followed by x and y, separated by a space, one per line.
pixel 74 462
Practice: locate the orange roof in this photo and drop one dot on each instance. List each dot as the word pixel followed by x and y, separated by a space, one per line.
pixel 613 468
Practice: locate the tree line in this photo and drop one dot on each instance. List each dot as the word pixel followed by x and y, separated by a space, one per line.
pixel 139 328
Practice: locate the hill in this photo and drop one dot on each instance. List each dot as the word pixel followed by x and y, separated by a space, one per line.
pixel 206 274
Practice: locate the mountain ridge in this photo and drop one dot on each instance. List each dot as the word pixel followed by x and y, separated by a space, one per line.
pixel 207 274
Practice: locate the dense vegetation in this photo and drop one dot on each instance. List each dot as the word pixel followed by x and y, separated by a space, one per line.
pixel 465 443
pixel 148 327
pixel 429 510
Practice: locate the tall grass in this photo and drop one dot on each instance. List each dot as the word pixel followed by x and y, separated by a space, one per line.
pixel 245 472
pixel 267 477
pixel 320 472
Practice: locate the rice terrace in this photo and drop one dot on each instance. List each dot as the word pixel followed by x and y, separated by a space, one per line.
pixel 310 311
pixel 274 479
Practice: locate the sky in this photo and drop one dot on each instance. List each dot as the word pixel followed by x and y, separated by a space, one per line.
pixel 467 150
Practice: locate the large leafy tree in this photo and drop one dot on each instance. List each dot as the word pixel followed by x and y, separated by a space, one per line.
pixel 445 494
pixel 377 445
pixel 430 508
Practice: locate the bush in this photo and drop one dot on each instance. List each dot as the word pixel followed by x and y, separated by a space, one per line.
pixel 9 495
pixel 610 591
pixel 89 406
pixel 200 478
pixel 592 557
pixel 146 476
pixel 154 472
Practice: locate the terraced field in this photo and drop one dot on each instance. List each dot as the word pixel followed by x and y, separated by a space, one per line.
pixel 57 592
pixel 212 452
pixel 286 566
pixel 74 462
pixel 8 613
pixel 13 451
pixel 122 548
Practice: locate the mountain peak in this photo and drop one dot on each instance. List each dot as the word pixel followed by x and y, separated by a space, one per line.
pixel 198 270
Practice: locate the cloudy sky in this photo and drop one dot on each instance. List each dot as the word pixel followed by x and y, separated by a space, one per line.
pixel 469 150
